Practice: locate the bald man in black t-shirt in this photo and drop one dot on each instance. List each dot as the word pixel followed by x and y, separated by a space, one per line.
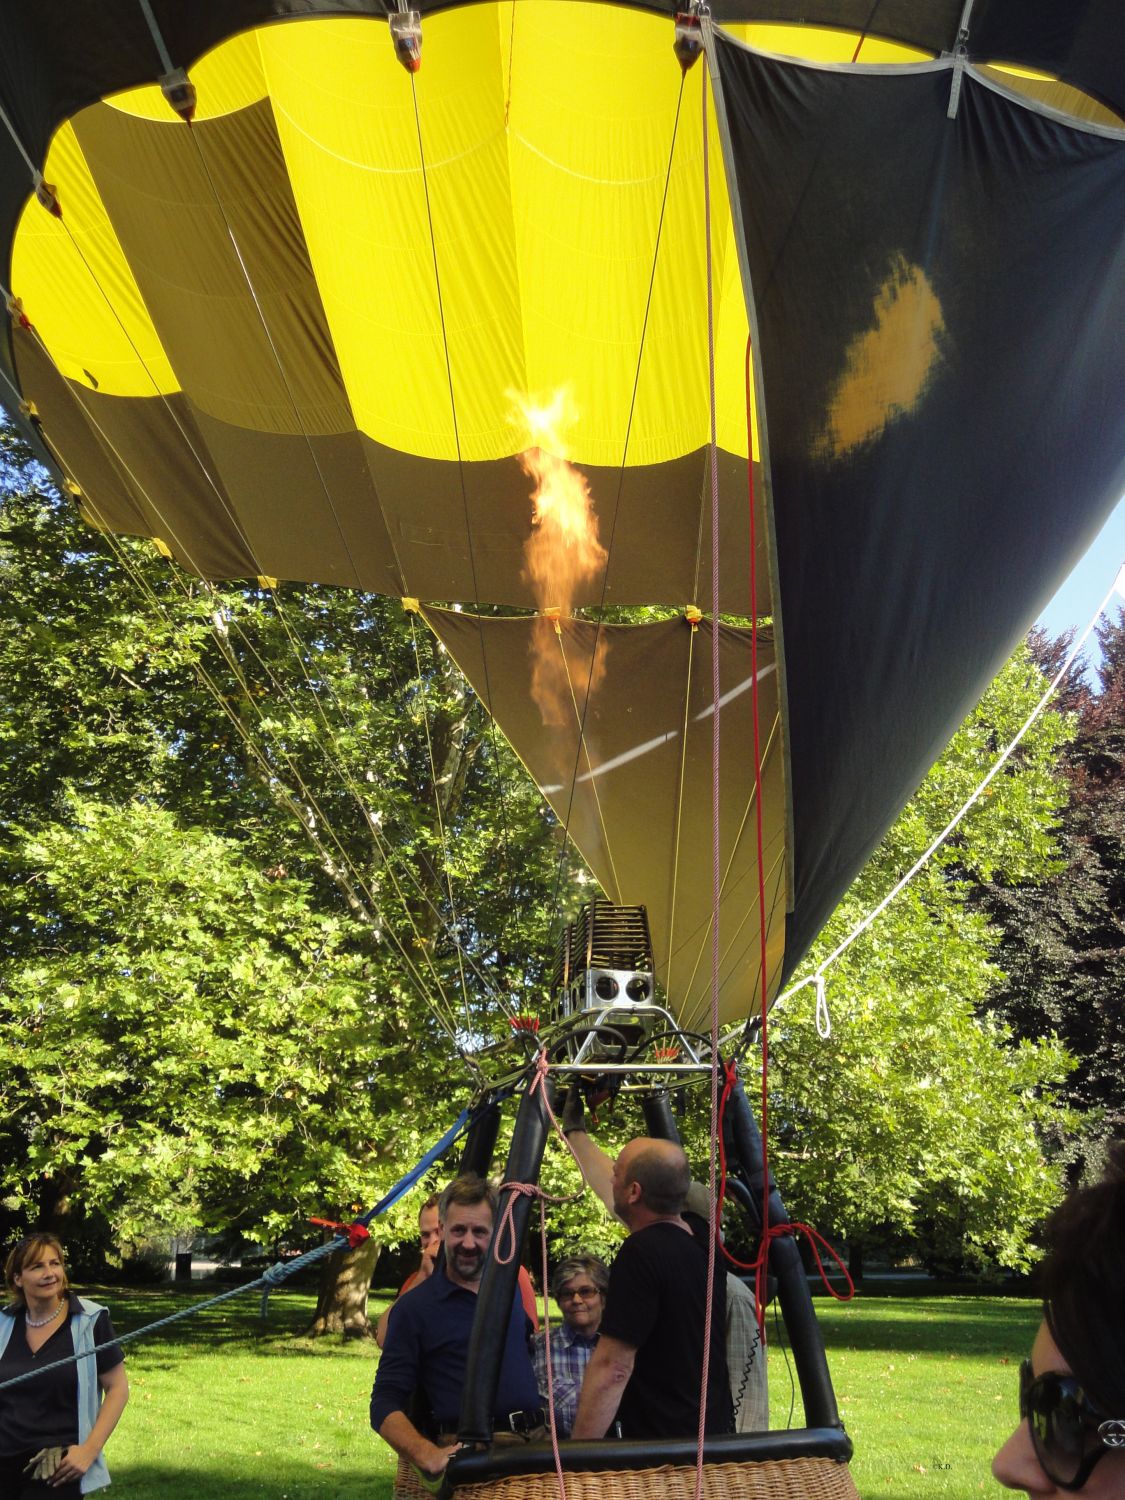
pixel 646 1371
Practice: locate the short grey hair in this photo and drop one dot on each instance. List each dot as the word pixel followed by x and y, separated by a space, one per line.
pixel 580 1265
pixel 467 1191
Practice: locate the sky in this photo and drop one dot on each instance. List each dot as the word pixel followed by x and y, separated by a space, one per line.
pixel 1093 577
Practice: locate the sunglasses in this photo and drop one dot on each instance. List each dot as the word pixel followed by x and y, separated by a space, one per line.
pixel 1068 1432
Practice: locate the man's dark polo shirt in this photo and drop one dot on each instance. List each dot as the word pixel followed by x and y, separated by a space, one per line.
pixel 657 1304
pixel 428 1345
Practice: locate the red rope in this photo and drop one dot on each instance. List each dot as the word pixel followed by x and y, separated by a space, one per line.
pixel 760 1263
pixel 716 864
pixel 507 1227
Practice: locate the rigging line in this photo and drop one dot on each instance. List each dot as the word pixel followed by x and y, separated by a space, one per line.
pixel 584 752
pixel 305 434
pixel 290 802
pixel 162 396
pixel 512 903
pixel 737 944
pixel 866 28
pixel 733 854
pixel 236 668
pixel 440 820
pixel 174 537
pixel 716 806
pixel 296 411
pixel 692 630
pixel 124 467
pixel 620 486
pixel 511 55
pixel 258 308
pixel 351 785
pixel 294 807
pixel 680 798
pixel 212 482
pixel 191 448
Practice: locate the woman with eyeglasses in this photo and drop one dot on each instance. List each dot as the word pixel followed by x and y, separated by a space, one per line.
pixel 579 1286
pixel 1071 1436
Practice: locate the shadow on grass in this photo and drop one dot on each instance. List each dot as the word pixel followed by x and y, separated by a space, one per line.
pixel 279 1481
pixel 968 1327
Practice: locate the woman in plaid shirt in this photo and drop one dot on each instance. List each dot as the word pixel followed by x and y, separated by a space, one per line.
pixel 579 1286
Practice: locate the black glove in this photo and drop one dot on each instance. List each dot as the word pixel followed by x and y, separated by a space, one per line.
pixel 574 1111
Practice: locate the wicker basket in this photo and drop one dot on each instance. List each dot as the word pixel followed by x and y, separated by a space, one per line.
pixel 772 1479
pixel 407 1485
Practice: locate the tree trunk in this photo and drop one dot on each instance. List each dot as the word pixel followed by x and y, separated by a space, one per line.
pixel 341 1306
pixel 855 1261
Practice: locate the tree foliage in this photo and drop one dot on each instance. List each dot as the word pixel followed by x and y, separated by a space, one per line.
pixel 263 866
pixel 1063 947
pixel 917 1114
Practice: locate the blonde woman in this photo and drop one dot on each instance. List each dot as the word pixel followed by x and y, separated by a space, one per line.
pixel 53 1427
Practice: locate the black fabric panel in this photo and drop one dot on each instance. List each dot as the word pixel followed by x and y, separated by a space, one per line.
pixel 919 533
pixel 1080 41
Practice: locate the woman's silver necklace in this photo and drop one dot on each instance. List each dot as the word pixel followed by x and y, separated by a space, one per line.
pixel 42 1322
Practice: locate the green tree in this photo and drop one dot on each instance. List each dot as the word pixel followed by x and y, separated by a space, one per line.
pixel 1063 947
pixel 917 1116
pixel 235 818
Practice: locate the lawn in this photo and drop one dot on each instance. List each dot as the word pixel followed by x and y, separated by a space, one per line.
pixel 224 1405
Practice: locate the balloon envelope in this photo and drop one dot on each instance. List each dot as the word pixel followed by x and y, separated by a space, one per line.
pixel 289 341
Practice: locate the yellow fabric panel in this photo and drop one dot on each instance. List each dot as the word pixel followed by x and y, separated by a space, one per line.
pixel 593 123
pixel 78 290
pixel 545 226
pixel 227 79
pixel 344 109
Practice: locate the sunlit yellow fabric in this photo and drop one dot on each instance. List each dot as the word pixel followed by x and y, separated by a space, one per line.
pixel 228 78
pixel 546 131
pixel 546 144
pixel 78 290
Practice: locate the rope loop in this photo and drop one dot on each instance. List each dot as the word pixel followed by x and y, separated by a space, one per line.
pixel 823 1018
pixel 815 1238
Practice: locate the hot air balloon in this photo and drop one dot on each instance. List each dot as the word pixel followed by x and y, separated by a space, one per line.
pixel 828 327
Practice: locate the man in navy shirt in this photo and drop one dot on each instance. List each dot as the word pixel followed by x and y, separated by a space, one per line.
pixel 428 1341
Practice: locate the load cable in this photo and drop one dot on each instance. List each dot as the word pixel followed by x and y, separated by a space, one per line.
pixel 513 902
pixel 281 1271
pixel 716 820
pixel 556 905
pixel 303 815
pixel 84 261
pixel 186 552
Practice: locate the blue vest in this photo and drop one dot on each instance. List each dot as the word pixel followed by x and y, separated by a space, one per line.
pixel 82 1323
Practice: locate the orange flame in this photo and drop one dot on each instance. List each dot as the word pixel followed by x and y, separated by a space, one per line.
pixel 562 553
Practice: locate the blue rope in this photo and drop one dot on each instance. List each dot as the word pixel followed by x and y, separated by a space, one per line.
pixel 279 1272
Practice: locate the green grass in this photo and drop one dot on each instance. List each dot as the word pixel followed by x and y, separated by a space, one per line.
pixel 225 1406
pixel 926 1387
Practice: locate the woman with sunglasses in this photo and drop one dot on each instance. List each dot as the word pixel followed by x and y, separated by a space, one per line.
pixel 1071 1436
